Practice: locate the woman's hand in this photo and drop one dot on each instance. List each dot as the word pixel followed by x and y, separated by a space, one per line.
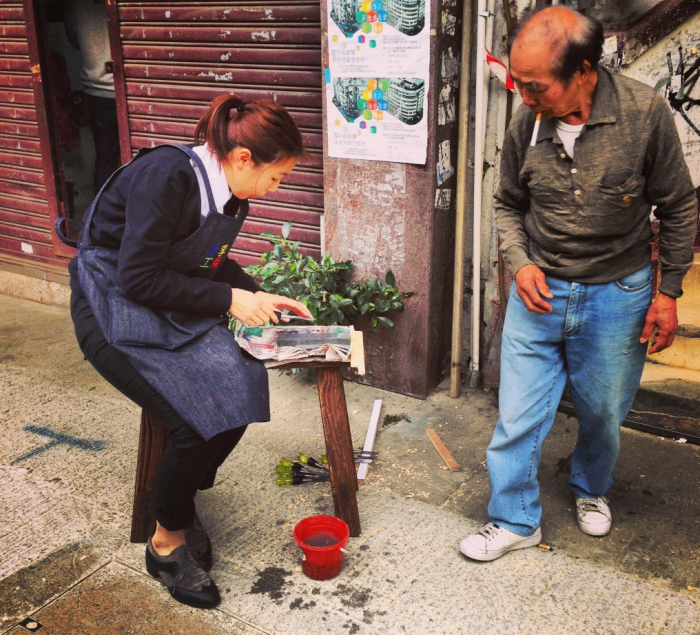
pixel 274 303
pixel 254 309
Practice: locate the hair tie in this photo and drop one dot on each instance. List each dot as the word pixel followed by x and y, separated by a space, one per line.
pixel 237 109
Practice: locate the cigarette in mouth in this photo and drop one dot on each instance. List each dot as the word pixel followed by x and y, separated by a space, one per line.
pixel 536 129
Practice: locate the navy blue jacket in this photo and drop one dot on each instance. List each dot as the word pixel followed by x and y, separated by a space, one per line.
pixel 150 205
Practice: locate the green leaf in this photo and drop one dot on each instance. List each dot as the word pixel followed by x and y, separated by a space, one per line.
pixel 269 235
pixel 390 278
pixel 386 322
pixel 286 228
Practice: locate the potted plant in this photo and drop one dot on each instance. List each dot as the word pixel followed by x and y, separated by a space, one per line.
pixel 324 285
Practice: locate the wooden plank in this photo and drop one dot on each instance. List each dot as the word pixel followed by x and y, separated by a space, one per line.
pixel 10 214
pixel 273 213
pixel 19 128
pixel 17 113
pixel 444 453
pixel 226 12
pixel 224 73
pixel 23 80
pixel 369 439
pixel 18 160
pixel 193 111
pixel 257 34
pixel 207 92
pixel 19 175
pixel 153 439
pixel 14 47
pixel 308 55
pixel 24 232
pixel 11 142
pixel 16 96
pixel 158 137
pixel 14 247
pixel 341 462
pixel 24 190
pixel 357 352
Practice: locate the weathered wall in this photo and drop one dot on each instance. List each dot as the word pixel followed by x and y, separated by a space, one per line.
pixel 680 46
pixel 651 67
pixel 389 216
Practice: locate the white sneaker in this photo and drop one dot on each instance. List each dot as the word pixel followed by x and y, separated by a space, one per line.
pixel 492 541
pixel 593 515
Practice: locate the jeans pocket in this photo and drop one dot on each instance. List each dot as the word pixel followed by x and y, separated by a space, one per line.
pixel 635 281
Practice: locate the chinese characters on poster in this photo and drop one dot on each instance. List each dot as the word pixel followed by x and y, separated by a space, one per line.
pixel 377 80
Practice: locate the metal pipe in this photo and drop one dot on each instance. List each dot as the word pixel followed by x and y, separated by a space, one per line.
pixel 461 196
pixel 482 92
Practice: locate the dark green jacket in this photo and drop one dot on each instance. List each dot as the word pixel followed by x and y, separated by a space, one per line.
pixel 588 219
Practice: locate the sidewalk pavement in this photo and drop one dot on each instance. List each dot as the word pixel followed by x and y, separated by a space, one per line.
pixel 67 466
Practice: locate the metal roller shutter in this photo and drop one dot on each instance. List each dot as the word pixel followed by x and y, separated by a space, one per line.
pixel 27 189
pixel 176 57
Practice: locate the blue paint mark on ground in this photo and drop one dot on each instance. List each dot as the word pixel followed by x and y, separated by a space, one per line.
pixel 58 438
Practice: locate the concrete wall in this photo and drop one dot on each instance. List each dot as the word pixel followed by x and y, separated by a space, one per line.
pixel 385 215
pixel 651 68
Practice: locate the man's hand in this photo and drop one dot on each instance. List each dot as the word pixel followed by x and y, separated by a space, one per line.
pixel 531 285
pixel 254 309
pixel 662 315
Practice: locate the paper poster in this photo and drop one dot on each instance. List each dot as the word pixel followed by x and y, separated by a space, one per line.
pixel 377 80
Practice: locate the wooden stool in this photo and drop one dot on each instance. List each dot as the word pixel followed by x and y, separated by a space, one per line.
pixel 154 437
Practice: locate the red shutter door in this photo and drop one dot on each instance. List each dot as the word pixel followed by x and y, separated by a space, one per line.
pixel 27 187
pixel 178 56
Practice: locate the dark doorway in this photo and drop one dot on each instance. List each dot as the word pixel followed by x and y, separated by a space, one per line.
pixel 73 38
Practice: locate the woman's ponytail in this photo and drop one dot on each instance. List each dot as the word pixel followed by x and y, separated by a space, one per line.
pixel 264 127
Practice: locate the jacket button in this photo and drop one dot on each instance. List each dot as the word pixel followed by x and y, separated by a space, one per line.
pixel 562 155
pixel 626 198
pixel 577 192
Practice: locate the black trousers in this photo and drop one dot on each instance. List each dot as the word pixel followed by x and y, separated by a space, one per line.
pixel 189 463
pixel 105 134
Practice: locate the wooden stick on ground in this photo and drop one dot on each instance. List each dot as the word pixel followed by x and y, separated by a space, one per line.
pixel 369 439
pixel 442 450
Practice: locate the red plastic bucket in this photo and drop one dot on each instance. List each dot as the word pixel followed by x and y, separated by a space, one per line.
pixel 321 539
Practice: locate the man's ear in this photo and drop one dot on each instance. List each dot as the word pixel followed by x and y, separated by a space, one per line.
pixel 584 71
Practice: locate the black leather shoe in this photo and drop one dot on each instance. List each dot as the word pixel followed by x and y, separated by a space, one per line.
pixel 186 580
pixel 199 544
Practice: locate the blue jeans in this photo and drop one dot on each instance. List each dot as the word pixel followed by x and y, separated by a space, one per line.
pixel 591 338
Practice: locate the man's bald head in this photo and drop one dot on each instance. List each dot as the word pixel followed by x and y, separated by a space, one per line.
pixel 570 37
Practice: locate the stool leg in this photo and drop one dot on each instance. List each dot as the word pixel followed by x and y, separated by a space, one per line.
pixel 336 429
pixel 153 439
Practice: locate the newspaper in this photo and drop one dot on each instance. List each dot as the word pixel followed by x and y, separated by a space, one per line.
pixel 278 345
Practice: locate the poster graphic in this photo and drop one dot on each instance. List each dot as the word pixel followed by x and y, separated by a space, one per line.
pixel 377 80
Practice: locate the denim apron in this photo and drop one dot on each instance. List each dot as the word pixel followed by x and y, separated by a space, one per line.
pixel 192 360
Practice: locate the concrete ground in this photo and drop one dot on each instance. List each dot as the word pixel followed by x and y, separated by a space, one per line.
pixel 67 464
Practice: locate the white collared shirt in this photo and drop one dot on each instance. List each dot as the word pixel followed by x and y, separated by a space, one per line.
pixel 217 180
pixel 568 133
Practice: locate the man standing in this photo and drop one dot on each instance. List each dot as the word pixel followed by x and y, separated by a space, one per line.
pixel 584 160
pixel 86 29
